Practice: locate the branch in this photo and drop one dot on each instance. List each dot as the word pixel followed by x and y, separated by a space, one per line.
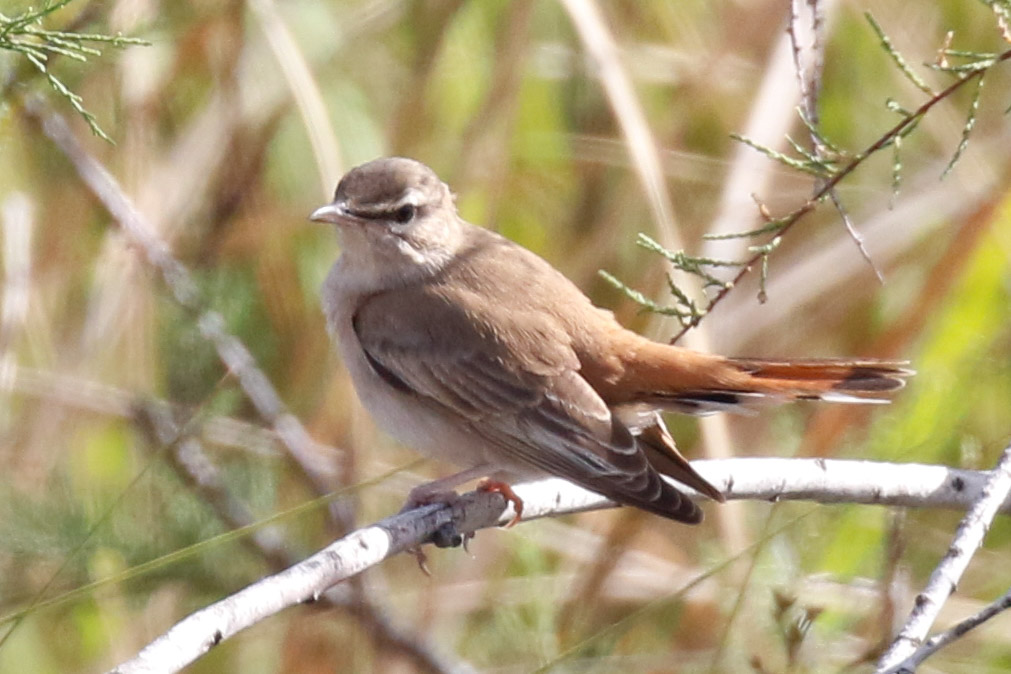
pixel 307 581
pixel 944 579
pixel 939 641
pixel 192 464
pixel 824 481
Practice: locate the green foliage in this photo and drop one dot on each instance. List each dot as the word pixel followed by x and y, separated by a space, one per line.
pixel 24 34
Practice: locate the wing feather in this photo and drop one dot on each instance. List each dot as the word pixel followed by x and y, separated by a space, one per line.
pixel 519 390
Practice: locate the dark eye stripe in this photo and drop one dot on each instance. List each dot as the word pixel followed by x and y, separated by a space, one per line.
pixel 394 214
pixel 370 215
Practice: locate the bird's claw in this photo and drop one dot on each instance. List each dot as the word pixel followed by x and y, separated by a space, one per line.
pixel 489 485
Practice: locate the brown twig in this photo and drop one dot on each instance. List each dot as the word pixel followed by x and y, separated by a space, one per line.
pixel 882 142
pixel 809 71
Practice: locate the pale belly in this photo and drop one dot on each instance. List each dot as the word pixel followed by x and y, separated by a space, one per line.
pixel 398 414
pixel 402 417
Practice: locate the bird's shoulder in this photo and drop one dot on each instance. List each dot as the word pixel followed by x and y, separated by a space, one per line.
pixel 472 309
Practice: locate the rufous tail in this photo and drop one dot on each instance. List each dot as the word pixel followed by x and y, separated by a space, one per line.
pixel 696 383
pixel 826 379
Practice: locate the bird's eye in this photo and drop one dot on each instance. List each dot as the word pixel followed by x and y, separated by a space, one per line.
pixel 404 214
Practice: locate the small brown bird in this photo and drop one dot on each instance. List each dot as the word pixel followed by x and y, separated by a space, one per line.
pixel 472 349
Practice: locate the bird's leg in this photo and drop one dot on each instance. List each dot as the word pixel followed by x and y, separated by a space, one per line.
pixel 441 490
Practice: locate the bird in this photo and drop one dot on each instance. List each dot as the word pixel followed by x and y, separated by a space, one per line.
pixel 474 350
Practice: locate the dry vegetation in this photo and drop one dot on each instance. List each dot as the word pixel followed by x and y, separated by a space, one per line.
pixel 236 122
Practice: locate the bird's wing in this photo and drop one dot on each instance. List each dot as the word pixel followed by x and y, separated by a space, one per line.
pixel 520 390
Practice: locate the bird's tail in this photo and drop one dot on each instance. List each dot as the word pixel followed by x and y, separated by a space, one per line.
pixel 695 383
pixel 832 379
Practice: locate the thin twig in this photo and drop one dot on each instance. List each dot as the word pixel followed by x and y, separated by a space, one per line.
pixel 857 238
pixel 809 71
pixel 808 62
pixel 903 66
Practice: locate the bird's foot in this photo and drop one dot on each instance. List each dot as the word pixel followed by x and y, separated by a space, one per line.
pixel 447 536
pixel 444 537
pixel 489 485
pixel 421 558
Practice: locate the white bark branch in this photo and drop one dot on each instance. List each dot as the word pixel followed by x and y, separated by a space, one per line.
pixel 942 639
pixel 943 581
pixel 825 481
pixel 309 579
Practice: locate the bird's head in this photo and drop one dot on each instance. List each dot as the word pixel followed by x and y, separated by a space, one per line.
pixel 395 219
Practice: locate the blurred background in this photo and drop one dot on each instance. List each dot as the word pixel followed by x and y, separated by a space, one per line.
pixel 235 123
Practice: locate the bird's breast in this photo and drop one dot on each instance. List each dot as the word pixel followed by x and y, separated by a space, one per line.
pixel 413 422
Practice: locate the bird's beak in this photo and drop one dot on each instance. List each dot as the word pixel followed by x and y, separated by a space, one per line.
pixel 333 213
